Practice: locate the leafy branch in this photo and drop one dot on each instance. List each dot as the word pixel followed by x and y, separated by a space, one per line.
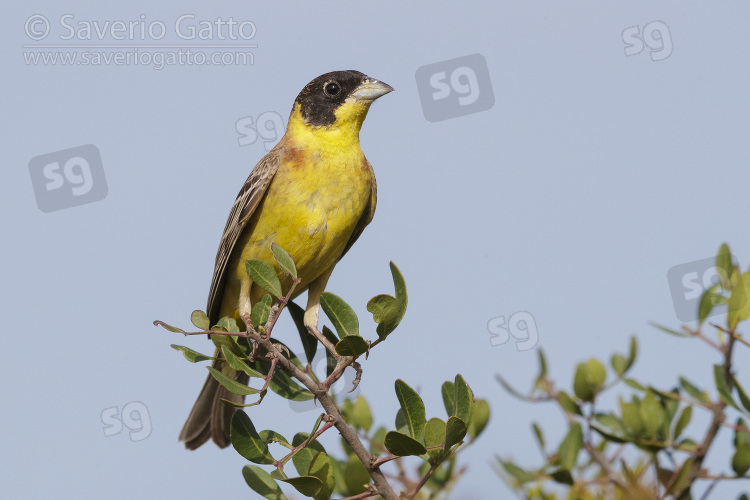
pixel 651 421
pixel 318 474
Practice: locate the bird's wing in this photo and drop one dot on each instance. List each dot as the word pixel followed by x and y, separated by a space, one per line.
pixel 366 216
pixel 244 206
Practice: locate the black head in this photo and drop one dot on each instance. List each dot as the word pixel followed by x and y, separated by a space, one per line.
pixel 320 98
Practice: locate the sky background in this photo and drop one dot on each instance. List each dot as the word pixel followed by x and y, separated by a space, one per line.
pixel 568 195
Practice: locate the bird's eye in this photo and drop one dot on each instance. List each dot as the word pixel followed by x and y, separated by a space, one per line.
pixel 331 88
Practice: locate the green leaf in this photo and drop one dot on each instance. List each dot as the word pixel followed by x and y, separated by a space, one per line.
pixel 401 425
pixel 237 364
pixel 562 476
pixel 608 435
pixel 307 485
pixel 413 408
pixel 669 330
pixel 229 325
pixel 455 430
pixel 739 305
pixel 683 421
pixel 631 417
pixel 741 457
pixel 635 384
pixel 596 374
pixel 682 479
pixel 618 363
pixel 229 342
pixel 539 436
pixel 263 274
pixel 464 401
pixel 167 327
pixel 377 440
pixel 721 386
pixel 309 342
pixel 694 392
pixel 570 446
pixel 303 457
pixel 724 265
pixel 361 414
pixel 652 414
pixel 200 320
pixel 231 384
pixel 269 436
pixel 285 261
pixel 385 312
pixel 448 392
pixel 521 476
pixel 581 387
pixel 567 403
pixel 321 467
pixel 340 313
pixel 589 379
pixel 688 445
pixel 744 399
pixel 707 303
pixel 434 437
pixel 247 442
pixel 262 483
pixel 542 364
pixel 610 420
pixel 510 389
pixel 632 354
pixel 260 311
pixel 400 285
pixel 330 360
pixel 351 345
pixel 402 445
pixel 355 476
pixel 190 354
pixel 479 417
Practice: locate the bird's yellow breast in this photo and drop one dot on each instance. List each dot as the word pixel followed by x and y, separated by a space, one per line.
pixel 311 208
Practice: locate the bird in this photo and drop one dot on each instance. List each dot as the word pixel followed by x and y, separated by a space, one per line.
pixel 313 194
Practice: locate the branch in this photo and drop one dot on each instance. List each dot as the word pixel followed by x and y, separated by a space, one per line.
pixel 350 436
pixel 718 413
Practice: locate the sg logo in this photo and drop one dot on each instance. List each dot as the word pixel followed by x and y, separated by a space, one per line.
pixel 455 87
pixel 68 178
pixel 655 36
pixel 134 416
pixel 521 326
pixel 269 126
pixel 687 282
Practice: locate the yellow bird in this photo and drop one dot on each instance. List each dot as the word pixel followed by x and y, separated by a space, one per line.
pixel 312 194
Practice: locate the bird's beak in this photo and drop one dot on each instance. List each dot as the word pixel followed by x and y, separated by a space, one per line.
pixel 370 90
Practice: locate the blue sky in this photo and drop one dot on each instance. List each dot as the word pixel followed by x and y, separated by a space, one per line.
pixel 569 196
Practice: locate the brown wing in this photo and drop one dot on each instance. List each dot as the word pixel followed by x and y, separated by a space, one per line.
pixel 367 215
pixel 247 201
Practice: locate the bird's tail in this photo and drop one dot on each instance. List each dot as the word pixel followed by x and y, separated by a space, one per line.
pixel 210 416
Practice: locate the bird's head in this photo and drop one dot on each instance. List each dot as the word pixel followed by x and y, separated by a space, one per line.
pixel 335 102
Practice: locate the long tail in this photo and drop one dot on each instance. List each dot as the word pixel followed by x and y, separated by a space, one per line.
pixel 210 416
